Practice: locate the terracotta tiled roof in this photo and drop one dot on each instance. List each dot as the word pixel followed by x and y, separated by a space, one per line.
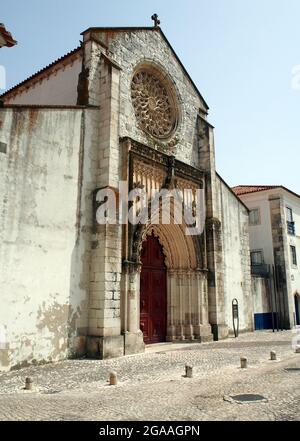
pixel 239 190
pixel 40 72
pixel 6 38
pixel 244 189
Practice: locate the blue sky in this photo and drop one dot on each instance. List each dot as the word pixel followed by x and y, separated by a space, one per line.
pixel 240 54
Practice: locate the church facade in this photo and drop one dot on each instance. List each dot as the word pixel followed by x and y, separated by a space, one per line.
pixel 120 108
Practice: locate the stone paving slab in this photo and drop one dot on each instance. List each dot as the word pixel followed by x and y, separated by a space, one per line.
pixel 152 386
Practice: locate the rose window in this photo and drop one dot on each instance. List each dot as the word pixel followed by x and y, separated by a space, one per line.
pixel 154 104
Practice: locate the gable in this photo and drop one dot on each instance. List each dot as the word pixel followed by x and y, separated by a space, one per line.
pixel 146 50
pixel 107 36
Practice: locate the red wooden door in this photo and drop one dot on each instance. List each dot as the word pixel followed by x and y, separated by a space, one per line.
pixel 153 292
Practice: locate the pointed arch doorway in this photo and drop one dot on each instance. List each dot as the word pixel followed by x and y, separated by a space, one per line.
pixel 153 292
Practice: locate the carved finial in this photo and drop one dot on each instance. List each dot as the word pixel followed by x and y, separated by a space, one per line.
pixel 156 20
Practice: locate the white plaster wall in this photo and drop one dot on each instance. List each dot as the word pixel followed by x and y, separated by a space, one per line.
pixel 260 295
pixel 60 88
pixel 236 259
pixel 293 203
pixel 40 263
pixel 261 235
pixel 292 271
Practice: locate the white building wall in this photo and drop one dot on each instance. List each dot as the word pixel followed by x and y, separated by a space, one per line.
pixel 60 88
pixel 236 260
pixel 292 271
pixel 261 234
pixel 293 203
pixel 40 261
pixel 261 295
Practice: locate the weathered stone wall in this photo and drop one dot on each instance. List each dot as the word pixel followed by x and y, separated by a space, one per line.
pixel 111 59
pixel 43 297
pixel 190 143
pixel 60 268
pixel 128 50
pixel 235 262
pixel 104 320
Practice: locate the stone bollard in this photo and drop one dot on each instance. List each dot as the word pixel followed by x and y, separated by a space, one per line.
pixel 243 362
pixel 113 379
pixel 188 371
pixel 28 383
pixel 273 355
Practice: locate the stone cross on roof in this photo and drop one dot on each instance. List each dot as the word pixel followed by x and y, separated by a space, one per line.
pixel 156 20
pixel 6 38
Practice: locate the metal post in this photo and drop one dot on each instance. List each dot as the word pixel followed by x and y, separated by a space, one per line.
pixel 271 296
pixel 235 317
pixel 275 295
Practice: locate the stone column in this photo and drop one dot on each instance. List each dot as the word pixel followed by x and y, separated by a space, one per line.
pixel 197 305
pixel 104 330
pixel 202 328
pixel 180 327
pixel 171 305
pixel 132 334
pixel 188 322
pixel 216 296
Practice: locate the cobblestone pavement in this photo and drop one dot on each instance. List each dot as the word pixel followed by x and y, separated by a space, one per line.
pixel 152 386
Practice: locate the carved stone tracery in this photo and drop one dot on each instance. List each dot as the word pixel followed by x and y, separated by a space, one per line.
pixel 153 104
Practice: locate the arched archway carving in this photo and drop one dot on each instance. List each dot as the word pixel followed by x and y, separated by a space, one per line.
pixel 187 307
pixel 181 250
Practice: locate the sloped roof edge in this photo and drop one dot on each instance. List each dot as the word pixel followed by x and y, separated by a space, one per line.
pixel 240 190
pixel 44 69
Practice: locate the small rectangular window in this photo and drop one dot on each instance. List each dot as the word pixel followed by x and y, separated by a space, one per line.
pixel 254 216
pixel 289 214
pixel 290 222
pixel 293 255
pixel 257 257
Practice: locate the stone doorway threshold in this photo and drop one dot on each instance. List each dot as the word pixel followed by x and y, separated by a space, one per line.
pixel 168 346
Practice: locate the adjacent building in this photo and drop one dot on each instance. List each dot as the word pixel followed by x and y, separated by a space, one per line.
pixel 274 228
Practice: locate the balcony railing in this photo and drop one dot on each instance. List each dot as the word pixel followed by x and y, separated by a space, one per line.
pixel 260 270
pixel 291 228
